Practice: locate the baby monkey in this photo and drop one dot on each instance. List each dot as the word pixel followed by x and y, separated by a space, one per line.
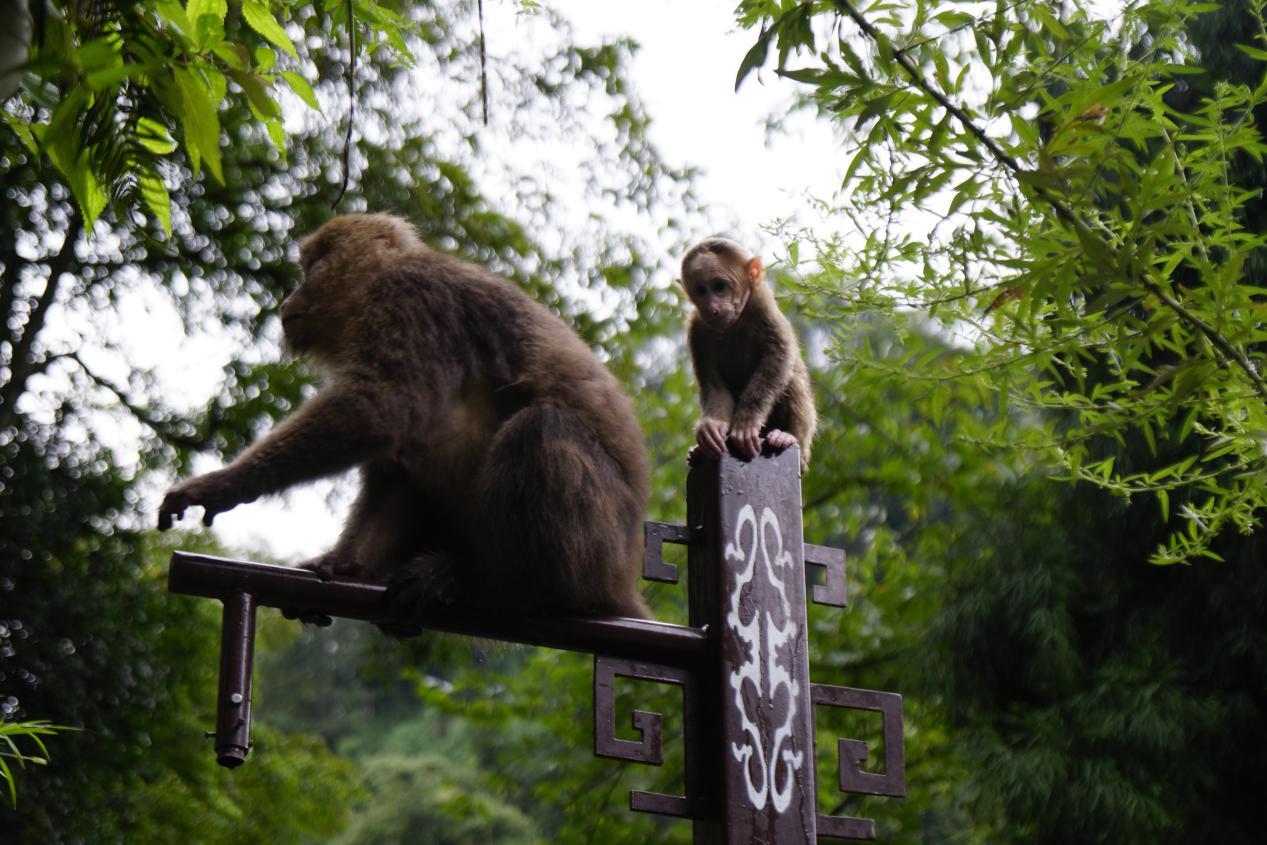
pixel 752 379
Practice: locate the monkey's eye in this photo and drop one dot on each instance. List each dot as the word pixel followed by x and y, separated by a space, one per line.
pixel 700 291
pixel 719 287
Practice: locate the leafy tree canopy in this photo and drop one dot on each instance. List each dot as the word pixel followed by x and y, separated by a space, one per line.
pixel 1056 189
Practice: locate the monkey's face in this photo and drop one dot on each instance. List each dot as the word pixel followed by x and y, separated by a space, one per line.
pixel 718 289
pixel 311 316
pixel 336 261
pixel 297 322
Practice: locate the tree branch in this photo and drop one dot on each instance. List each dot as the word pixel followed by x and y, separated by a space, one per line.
pixel 22 365
pixel 1228 351
pixel 483 64
pixel 161 427
pixel 12 264
pixel 351 78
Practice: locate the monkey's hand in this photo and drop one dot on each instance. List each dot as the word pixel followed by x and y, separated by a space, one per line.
pixel 213 491
pixel 746 439
pixel 779 440
pixel 330 564
pixel 710 434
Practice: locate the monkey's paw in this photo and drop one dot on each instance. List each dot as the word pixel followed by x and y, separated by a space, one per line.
pixel 308 617
pixel 710 438
pixel 210 491
pixel 779 440
pixel 325 566
pixel 334 562
pixel 746 439
pixel 429 580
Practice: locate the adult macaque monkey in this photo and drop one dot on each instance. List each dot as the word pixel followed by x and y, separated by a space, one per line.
pixel 501 464
pixel 751 376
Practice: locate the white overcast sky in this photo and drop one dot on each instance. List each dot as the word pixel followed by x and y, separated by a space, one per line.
pixel 684 71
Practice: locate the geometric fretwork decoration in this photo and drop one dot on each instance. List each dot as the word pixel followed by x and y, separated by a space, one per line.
pixel 742 662
pixel 833 560
pixel 852 752
pixel 648 749
pixel 655 535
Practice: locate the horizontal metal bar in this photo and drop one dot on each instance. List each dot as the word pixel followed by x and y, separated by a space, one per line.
pixel 298 589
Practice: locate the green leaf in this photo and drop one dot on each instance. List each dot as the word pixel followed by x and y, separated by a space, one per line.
pixel 756 55
pixel 1253 52
pixel 156 198
pixel 260 18
pixel 207 17
pixel 954 20
pixel 1049 21
pixel 200 121
pixel 217 85
pixel 874 109
pixel 154 136
pixel 174 13
pixel 76 165
pixel 110 77
pixel 67 114
pixel 301 87
pixel 264 59
pixel 99 54
pixel 23 131
pixel 233 55
pixel 1183 70
pixel 217 9
pixel 276 134
pixel 256 88
pixel 809 76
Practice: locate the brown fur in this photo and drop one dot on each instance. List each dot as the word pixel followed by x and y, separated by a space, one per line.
pixel 752 378
pixel 501 463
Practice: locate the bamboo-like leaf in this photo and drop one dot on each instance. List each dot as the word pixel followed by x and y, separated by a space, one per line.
pixel 756 55
pixel 1253 52
pixel 6 775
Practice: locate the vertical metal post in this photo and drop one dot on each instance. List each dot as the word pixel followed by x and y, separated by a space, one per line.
pixel 233 703
pixel 702 573
pixel 752 544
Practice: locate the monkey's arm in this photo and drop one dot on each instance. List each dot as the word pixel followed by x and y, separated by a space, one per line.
pixel 802 415
pixel 717 403
pixel 340 427
pixel 768 380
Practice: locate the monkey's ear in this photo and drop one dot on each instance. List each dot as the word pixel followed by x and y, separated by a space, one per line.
pixel 756 271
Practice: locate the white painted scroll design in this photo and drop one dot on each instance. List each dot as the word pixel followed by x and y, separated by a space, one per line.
pixel 766 670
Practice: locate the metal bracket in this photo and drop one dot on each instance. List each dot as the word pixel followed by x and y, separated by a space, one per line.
pixel 656 535
pixel 648 747
pixel 892 783
pixel 833 560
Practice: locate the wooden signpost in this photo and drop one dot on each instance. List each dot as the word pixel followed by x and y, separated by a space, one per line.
pixel 742 662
